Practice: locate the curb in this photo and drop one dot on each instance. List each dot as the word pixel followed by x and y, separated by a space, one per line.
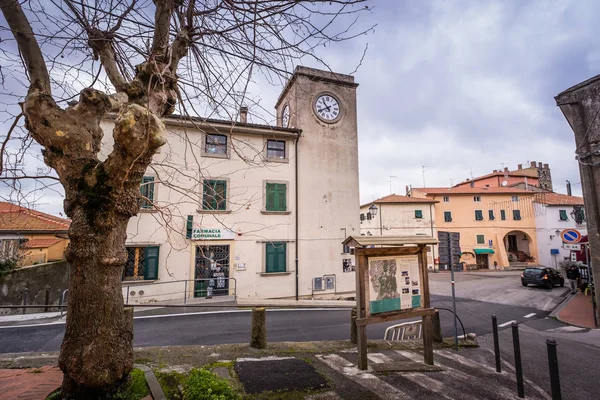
pixel 558 308
pixel 155 389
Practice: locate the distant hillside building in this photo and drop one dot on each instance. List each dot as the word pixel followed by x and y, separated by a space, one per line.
pixel 536 177
pixel 31 237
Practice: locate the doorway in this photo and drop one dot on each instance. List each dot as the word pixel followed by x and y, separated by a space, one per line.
pixel 482 261
pixel 211 270
pixel 512 243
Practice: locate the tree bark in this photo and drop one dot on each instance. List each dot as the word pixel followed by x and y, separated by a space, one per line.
pixel 97 350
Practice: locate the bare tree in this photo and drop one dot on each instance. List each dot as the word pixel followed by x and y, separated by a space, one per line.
pixel 143 61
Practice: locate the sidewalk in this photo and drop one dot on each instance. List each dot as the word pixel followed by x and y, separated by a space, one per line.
pixel 577 311
pixel 307 370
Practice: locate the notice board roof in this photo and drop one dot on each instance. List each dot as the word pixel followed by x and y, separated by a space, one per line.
pixel 366 241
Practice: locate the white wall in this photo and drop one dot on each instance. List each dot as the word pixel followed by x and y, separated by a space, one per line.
pixel 547 222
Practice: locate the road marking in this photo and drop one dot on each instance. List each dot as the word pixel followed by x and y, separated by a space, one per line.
pixel 506 323
pixel 365 379
pixel 530 315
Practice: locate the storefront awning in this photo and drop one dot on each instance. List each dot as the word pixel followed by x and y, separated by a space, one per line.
pixel 484 251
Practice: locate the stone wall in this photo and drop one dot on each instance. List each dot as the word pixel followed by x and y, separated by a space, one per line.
pixel 37 278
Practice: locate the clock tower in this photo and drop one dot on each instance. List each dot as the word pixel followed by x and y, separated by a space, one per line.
pixel 323 105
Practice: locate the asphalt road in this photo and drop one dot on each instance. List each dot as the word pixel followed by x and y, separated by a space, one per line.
pixel 282 325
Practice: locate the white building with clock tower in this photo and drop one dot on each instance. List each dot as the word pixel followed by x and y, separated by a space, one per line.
pixel 253 210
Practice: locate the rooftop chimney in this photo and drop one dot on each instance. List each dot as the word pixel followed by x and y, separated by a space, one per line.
pixel 520 166
pixel 546 166
pixel 505 169
pixel 569 189
pixel 407 192
pixel 533 164
pixel 244 115
pixel 540 165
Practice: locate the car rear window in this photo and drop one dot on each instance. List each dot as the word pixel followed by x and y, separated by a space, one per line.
pixel 533 272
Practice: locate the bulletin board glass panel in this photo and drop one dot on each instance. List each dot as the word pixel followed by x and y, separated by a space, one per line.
pixel 394 283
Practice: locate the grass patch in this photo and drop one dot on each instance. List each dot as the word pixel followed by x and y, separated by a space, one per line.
pixel 170 384
pixel 202 384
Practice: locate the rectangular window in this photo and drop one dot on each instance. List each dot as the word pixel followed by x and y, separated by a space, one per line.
pixel 276 197
pixel 215 144
pixel 276 149
pixel 447 216
pixel 214 195
pixel 362 217
pixel 446 199
pixel 491 215
pixel 418 213
pixel 477 199
pixel 480 239
pixel 516 215
pixel 478 215
pixel 503 215
pixel 275 257
pixel 515 198
pixel 142 263
pixel 563 215
pixel 147 191
pixel 369 216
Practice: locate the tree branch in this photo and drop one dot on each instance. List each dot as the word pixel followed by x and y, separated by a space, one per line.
pixel 162 24
pixel 12 127
pixel 28 45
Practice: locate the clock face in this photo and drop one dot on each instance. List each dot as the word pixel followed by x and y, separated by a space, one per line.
pixel 285 116
pixel 327 107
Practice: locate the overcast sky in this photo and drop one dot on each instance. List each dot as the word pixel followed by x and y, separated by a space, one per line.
pixel 458 87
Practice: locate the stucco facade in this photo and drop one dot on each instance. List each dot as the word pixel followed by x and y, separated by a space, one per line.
pixel 496 225
pixel 400 216
pixel 554 213
pixel 212 213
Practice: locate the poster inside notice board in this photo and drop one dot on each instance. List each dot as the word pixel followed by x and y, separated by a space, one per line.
pixel 394 283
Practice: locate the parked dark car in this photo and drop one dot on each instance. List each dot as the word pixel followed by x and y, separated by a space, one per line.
pixel 547 277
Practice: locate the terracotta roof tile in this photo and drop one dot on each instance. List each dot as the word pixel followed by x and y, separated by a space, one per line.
pixel 40 243
pixel 473 190
pixel 556 199
pixel 396 198
pixel 14 218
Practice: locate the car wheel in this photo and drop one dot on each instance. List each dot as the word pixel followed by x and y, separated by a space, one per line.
pixel 523 283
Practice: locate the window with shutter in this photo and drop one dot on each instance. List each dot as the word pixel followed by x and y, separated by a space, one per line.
pixel 478 215
pixel 503 215
pixel 563 215
pixel 151 267
pixel 147 191
pixel 214 195
pixel 418 213
pixel 516 215
pixel 275 257
pixel 447 216
pixel 491 215
pixel 215 145
pixel 276 197
pixel 189 228
pixel 142 263
pixel 480 239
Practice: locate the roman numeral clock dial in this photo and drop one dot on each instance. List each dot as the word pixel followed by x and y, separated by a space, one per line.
pixel 327 108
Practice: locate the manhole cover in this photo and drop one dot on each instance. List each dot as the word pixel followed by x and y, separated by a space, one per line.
pixel 277 374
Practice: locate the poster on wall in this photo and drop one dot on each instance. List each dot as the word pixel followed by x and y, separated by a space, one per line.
pixel 394 284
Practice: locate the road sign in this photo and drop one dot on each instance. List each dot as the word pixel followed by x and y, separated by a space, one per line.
pixel 568 246
pixel 571 236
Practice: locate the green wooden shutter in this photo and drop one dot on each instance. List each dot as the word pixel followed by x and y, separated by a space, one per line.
pixel 221 195
pixel 503 215
pixel 206 195
pixel 151 263
pixel 270 257
pixel 281 257
pixel 563 215
pixel 280 198
pixel 480 239
pixel 516 215
pixel 270 203
pixel 447 216
pixel 147 190
pixel 418 213
pixel 189 226
pixel 491 215
pixel 479 215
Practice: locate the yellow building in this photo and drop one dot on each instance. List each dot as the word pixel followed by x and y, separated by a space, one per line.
pixel 496 224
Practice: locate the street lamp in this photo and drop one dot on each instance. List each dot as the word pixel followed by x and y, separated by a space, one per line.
pixel 373 209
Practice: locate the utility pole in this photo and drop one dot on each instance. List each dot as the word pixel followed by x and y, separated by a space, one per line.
pixel 580 106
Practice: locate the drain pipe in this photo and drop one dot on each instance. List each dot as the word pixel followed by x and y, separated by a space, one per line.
pixel 431 221
pixel 297 217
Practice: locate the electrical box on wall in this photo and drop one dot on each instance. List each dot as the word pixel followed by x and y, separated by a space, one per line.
pixel 318 283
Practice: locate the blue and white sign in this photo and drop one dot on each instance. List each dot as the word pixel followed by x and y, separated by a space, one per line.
pixel 571 236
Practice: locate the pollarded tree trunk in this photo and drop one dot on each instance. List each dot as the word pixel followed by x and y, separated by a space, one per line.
pixel 97 350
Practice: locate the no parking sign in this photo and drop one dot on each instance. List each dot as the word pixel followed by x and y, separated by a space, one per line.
pixel 571 236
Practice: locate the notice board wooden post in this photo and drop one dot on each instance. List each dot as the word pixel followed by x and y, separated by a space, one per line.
pixel 390 263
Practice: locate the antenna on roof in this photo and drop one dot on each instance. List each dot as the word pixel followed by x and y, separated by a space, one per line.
pixel 471 167
pixel 423 167
pixel 390 180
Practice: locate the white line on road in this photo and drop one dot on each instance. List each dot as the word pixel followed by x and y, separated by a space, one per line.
pixel 506 323
pixel 530 315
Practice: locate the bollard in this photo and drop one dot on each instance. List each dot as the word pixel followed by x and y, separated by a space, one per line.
pixel 496 343
pixel 437 327
pixel 353 328
pixel 518 366
pixel 258 336
pixel 25 295
pixel 553 365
